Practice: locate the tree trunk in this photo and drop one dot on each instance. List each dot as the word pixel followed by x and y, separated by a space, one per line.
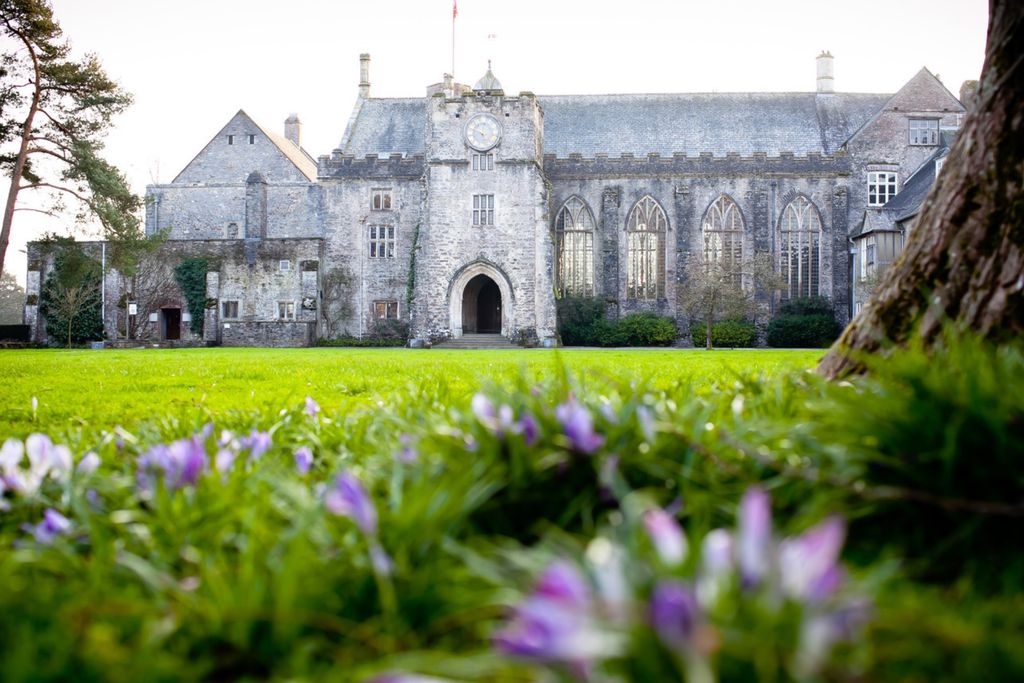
pixel 707 329
pixel 964 260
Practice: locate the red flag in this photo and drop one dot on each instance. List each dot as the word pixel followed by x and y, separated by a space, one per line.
pixel 455 9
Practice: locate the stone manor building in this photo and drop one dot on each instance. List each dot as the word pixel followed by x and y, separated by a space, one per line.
pixel 469 210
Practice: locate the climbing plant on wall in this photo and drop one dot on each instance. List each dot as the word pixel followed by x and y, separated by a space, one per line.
pixel 190 275
pixel 70 299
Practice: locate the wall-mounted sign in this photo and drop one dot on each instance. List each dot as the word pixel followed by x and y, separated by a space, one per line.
pixel 186 317
pixel 133 309
pixel 153 317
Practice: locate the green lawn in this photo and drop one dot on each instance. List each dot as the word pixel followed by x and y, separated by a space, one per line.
pixel 82 392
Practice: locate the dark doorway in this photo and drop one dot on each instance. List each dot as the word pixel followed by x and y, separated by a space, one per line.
pixel 488 308
pixel 481 306
pixel 170 323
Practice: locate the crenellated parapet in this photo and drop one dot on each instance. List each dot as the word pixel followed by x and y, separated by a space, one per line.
pixel 339 165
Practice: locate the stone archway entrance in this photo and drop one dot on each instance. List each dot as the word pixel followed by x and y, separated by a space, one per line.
pixel 481 306
pixel 480 301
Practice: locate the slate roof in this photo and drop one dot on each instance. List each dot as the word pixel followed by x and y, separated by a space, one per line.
pixel 298 156
pixel 386 126
pixel 718 123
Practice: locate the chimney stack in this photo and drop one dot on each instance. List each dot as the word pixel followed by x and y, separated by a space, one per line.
pixel 968 93
pixel 364 75
pixel 293 129
pixel 826 82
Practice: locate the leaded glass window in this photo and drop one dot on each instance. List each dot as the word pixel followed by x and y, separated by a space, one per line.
pixel 645 251
pixel 574 235
pixel 723 239
pixel 800 248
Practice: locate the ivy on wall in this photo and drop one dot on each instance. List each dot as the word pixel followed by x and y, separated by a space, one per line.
pixel 410 287
pixel 190 275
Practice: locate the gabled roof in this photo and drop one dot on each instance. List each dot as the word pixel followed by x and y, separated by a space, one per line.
pixel 875 220
pixel 908 202
pixel 901 98
pixel 719 123
pixel 298 157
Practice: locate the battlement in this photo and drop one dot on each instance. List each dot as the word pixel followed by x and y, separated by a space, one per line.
pixel 340 165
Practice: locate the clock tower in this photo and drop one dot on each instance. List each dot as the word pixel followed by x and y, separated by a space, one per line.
pixel 484 255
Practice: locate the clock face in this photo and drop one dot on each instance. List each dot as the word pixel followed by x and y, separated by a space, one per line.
pixel 483 132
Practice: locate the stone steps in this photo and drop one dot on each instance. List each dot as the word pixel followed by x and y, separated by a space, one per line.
pixel 477 341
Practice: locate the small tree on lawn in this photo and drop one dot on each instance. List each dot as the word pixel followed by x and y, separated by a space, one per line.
pixel 714 291
pixel 70 298
pixel 12 300
pixel 338 288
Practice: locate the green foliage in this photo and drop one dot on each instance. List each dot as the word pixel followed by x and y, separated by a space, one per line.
pixel 581 322
pixel 63 108
pixel 728 333
pixel 247 575
pixel 647 329
pixel 804 323
pixel 361 343
pixel 70 298
pixel 12 300
pixel 190 275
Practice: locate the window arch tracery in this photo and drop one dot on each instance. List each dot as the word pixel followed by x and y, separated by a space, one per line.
pixel 645 250
pixel 574 234
pixel 800 237
pixel 723 238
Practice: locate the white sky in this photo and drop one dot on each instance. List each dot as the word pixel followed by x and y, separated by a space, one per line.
pixel 191 64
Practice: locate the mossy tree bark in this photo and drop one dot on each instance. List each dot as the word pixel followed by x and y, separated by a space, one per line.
pixel 964 261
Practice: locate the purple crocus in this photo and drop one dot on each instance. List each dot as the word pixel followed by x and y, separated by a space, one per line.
pixel 562 582
pixel 303 459
pixel 225 460
pixel 717 552
pixel 53 525
pixel 578 425
pixel 666 535
pixel 89 463
pixel 312 407
pixel 258 443
pixel 408 454
pixel 529 428
pixel 809 564
pixel 754 538
pixel 675 614
pixel 484 410
pixel 181 462
pixel 348 498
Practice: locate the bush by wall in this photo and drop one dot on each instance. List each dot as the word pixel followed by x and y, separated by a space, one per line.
pixel 732 334
pixel 804 323
pixel 581 322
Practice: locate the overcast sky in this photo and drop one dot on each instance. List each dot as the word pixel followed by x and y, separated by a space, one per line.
pixel 191 64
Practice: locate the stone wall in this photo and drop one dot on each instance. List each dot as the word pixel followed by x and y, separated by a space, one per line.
pixel 276 334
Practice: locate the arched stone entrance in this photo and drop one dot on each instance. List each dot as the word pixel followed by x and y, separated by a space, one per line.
pixel 481 306
pixel 480 301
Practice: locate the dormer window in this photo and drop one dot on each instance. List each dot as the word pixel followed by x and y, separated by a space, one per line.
pixel 881 187
pixel 924 131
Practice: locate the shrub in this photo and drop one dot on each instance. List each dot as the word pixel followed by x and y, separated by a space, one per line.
pixel 647 329
pixel 733 334
pixel 190 275
pixel 804 323
pixel 581 320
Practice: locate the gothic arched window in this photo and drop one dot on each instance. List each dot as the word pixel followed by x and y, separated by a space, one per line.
pixel 574 234
pixel 800 248
pixel 645 249
pixel 723 238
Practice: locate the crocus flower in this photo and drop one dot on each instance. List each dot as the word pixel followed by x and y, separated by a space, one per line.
pixel 808 564
pixel 666 535
pixel 754 539
pixel 529 428
pixel 562 582
pixel 717 552
pixel 258 443
pixel 348 498
pixel 303 459
pixel 53 525
pixel 312 408
pixel 408 454
pixel 225 460
pixel 675 613
pixel 89 463
pixel 484 409
pixel 578 425
pixel 181 462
